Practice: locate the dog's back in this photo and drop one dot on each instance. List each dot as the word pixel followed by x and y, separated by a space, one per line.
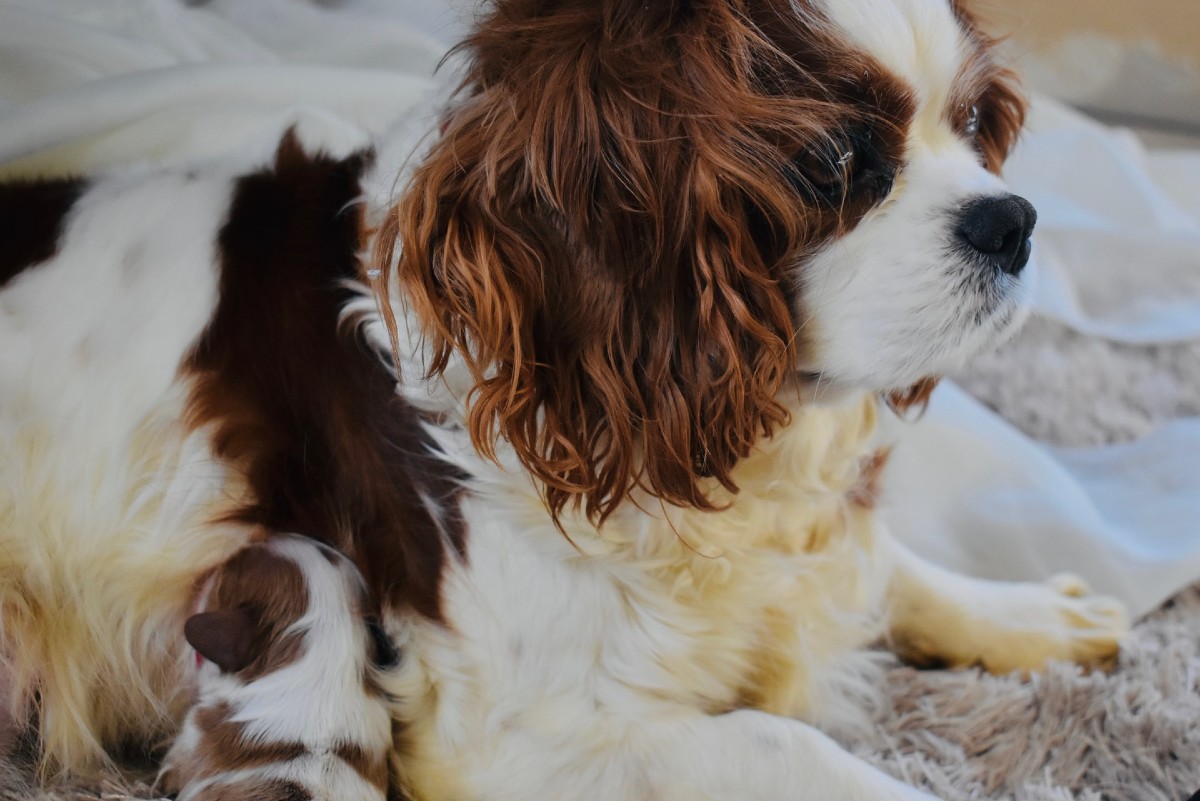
pixel 106 495
pixel 178 378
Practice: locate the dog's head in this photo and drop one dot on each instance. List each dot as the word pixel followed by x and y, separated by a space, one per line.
pixel 642 221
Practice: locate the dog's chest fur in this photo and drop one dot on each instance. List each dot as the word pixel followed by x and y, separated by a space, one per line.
pixel 757 605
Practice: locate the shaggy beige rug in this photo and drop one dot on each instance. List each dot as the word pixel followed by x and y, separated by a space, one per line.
pixel 1133 735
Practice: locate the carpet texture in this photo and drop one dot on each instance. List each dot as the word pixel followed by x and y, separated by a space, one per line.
pixel 1061 735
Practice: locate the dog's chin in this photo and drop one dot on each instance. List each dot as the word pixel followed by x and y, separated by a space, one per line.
pixel 1003 323
pixel 827 385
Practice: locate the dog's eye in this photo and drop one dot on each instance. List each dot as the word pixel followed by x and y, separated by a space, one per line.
pixel 971 126
pixel 826 171
pixel 843 167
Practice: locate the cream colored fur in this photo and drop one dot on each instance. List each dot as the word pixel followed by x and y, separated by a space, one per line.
pixel 105 498
pixel 662 613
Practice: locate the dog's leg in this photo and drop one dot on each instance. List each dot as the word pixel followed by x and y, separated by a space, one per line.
pixel 755 756
pixel 669 754
pixel 286 707
pixel 937 617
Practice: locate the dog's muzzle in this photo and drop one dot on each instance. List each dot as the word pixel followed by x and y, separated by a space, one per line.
pixel 998 229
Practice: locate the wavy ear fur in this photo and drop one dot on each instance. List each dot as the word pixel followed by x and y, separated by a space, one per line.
pixel 588 234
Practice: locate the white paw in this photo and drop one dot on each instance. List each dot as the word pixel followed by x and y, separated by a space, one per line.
pixel 1023 626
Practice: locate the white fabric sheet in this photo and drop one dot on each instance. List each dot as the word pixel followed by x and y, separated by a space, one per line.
pixel 90 85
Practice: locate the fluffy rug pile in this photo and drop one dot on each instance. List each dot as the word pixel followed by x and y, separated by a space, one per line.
pixel 1060 735
pixel 1133 735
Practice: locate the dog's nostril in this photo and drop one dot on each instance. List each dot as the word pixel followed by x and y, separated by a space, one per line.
pixel 999 227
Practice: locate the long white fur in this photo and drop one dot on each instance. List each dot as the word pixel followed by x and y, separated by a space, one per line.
pixel 105 499
pixel 612 668
pixel 602 682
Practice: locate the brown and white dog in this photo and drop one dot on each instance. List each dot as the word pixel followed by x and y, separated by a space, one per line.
pixel 589 406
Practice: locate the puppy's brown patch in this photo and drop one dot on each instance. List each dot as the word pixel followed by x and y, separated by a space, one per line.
pixel 373 768
pixel 252 790
pixel 224 747
pixel 256 598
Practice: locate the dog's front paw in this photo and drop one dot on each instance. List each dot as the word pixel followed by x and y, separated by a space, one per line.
pixel 1023 626
pixel 1089 627
pixel 1007 627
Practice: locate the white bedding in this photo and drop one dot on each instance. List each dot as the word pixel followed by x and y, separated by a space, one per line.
pixel 90 85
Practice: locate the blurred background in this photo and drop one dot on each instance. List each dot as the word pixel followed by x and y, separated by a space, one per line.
pixel 1135 64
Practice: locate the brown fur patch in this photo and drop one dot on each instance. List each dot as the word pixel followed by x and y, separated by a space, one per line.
pixel 226 748
pixel 301 404
pixel 373 768
pixel 992 89
pixel 901 401
pixel 257 790
pixel 32 214
pixel 223 747
pixel 272 593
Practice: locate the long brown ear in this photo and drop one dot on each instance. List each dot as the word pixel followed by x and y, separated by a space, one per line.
pixel 584 237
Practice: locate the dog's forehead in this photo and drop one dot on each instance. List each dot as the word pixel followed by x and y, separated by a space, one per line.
pixel 922 42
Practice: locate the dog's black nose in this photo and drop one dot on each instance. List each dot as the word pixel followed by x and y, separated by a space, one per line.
pixel 999 228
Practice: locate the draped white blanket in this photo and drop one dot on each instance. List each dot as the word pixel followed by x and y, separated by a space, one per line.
pixel 90 85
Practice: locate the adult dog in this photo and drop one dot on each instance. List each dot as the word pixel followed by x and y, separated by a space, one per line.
pixel 550 476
